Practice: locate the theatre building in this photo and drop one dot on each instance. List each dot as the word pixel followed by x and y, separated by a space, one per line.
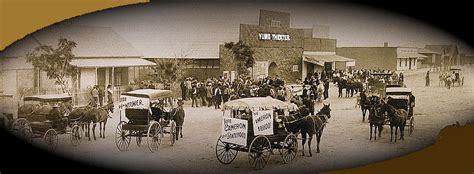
pixel 281 50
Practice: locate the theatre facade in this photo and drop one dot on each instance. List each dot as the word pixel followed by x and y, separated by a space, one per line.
pixel 281 50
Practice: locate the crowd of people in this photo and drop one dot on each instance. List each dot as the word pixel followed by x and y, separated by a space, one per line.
pixel 216 91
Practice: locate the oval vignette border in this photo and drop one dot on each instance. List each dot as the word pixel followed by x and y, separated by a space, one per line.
pixel 453 151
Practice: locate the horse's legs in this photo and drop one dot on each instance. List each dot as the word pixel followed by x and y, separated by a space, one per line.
pixel 380 129
pixel 100 129
pixel 375 132
pixel 93 130
pixel 89 131
pixel 402 130
pixel 396 132
pixel 391 132
pixel 103 136
pixel 303 141
pixel 370 125
pixel 310 138
pixel 363 113
pixel 318 139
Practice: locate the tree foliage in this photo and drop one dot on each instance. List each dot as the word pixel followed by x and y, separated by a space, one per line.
pixel 56 62
pixel 168 70
pixel 243 54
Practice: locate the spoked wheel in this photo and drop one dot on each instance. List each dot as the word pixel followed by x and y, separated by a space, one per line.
pixel 51 138
pixel 259 152
pixel 411 126
pixel 225 152
pixel 173 133
pixel 21 127
pixel 154 136
pixel 76 135
pixel 290 148
pixel 122 140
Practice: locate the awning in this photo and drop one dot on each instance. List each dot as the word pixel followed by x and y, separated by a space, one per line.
pixel 321 59
pixel 411 55
pixel 111 62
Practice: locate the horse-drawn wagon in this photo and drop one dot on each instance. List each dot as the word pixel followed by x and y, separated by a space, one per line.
pixel 378 82
pixel 457 76
pixel 402 98
pixel 145 121
pixel 252 126
pixel 46 116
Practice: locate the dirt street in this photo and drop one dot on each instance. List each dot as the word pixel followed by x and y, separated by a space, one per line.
pixel 345 142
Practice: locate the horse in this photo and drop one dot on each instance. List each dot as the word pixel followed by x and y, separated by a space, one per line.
pixel 314 124
pixel 93 115
pixel 397 118
pixel 364 104
pixel 376 119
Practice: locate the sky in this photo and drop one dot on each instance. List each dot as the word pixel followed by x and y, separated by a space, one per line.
pixel 187 28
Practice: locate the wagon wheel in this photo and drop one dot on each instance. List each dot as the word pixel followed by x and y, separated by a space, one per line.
pixel 122 140
pixel 154 136
pixel 290 148
pixel 259 152
pixel 225 152
pixel 173 133
pixel 76 135
pixel 21 127
pixel 411 126
pixel 51 138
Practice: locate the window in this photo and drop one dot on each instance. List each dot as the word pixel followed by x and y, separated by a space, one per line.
pixel 400 62
pixel 275 23
pixel 406 62
pixel 295 68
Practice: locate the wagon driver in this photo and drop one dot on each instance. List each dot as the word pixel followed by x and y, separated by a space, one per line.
pixel 179 114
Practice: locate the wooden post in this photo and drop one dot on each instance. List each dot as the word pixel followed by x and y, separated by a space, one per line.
pixel 106 82
pixel 113 82
pixel 96 75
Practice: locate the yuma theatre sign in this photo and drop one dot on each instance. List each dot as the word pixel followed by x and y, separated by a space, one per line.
pixel 275 37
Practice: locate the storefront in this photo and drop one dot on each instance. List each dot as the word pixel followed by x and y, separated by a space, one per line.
pixel 281 50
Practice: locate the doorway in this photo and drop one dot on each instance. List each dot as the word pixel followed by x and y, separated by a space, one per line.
pixel 272 69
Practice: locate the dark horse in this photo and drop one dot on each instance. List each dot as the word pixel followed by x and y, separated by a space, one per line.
pixel 397 117
pixel 364 104
pixel 376 119
pixel 314 124
pixel 89 114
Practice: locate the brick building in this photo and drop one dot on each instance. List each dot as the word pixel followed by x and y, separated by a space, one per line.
pixel 388 58
pixel 281 50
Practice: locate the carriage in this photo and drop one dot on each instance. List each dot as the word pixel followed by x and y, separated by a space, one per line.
pixel 144 120
pixel 251 127
pixel 33 122
pixel 402 98
pixel 378 83
pixel 458 77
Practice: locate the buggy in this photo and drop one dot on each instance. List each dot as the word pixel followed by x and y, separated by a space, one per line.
pixel 402 98
pixel 144 120
pixel 458 77
pixel 258 145
pixel 34 122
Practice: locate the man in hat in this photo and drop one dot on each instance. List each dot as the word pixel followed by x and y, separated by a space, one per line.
pixel 217 96
pixel 55 116
pixel 178 117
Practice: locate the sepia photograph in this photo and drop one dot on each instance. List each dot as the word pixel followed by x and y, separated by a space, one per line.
pixel 252 86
